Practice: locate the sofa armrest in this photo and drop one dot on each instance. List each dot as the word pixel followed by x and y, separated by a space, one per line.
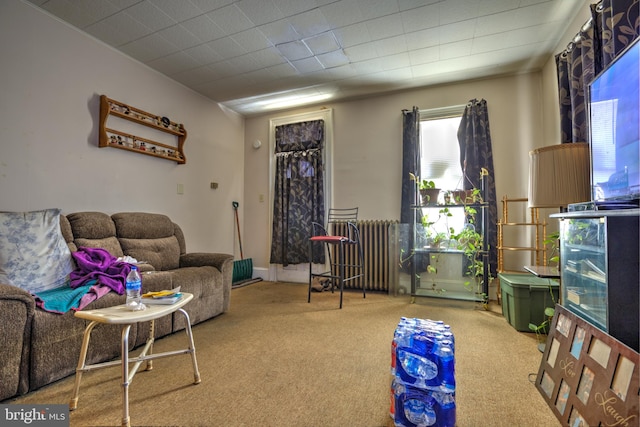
pixel 203 259
pixel 223 262
pixel 17 308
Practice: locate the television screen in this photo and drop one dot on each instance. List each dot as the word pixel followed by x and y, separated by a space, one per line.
pixel 614 128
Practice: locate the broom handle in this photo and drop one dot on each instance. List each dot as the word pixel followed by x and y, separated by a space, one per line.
pixel 235 208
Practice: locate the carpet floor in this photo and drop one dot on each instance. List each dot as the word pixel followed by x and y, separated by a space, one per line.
pixel 275 360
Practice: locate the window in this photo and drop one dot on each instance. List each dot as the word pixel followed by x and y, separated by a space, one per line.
pixel 440 159
pixel 440 152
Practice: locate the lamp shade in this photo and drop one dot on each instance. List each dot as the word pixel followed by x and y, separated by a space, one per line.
pixel 559 175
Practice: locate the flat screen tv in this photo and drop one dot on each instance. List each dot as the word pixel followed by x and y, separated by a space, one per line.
pixel 614 129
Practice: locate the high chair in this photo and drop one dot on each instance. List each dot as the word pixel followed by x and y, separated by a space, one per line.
pixel 339 236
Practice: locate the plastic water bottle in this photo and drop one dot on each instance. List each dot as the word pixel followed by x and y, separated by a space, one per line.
pixel 134 290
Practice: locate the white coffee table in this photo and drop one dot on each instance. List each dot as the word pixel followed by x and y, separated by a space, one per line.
pixel 120 315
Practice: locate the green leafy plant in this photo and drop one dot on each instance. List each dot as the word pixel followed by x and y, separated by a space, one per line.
pixel 426 185
pixel 541 330
pixel 471 243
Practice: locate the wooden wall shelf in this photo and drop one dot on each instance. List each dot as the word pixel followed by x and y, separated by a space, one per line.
pixel 110 137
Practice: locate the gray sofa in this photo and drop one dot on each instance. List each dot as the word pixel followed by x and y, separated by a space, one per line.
pixel 39 347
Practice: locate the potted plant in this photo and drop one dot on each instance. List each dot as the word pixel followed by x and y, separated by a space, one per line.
pixel 464 197
pixel 428 191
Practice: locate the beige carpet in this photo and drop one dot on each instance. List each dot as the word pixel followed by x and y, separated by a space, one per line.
pixel 275 360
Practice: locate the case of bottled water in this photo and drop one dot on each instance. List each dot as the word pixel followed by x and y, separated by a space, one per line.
pixel 423 369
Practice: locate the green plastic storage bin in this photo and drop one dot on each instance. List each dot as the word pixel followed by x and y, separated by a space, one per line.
pixel 524 298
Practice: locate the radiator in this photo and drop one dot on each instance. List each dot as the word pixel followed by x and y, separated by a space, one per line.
pixel 376 250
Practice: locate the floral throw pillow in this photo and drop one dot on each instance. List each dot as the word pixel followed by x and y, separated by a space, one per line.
pixel 33 253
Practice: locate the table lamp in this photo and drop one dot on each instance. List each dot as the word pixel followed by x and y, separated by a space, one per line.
pixel 559 175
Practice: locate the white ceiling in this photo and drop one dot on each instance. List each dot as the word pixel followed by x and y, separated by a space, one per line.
pixel 254 55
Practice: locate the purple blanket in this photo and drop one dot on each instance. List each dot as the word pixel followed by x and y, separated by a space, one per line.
pixel 97 274
pixel 98 264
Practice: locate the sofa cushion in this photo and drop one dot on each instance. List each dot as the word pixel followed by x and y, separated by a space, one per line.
pixel 95 230
pixel 162 254
pixel 33 253
pixel 142 225
pixel 148 237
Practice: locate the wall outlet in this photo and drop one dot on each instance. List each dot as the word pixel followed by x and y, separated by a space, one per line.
pixel 180 189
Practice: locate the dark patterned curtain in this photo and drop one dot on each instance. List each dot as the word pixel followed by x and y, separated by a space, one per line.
pixel 475 155
pixel 613 26
pixel 299 191
pixel 410 161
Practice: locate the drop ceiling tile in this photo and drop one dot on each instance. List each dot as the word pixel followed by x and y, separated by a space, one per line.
pixel 80 14
pixel 149 48
pixel 399 60
pixel 333 59
pixel 195 76
pixel 489 7
pixel 497 23
pixel 307 65
pixel 121 4
pixel 294 7
pixel 260 12
pixel 424 56
pixel 353 35
pixel 457 31
pixel 294 50
pixel 361 52
pixel 531 35
pixel 457 10
pixel 204 54
pixel 387 26
pixel 173 63
pixel 230 19
pixel 284 70
pixel 322 43
pixel 414 4
pixel 150 16
pixel 342 13
pixel 368 67
pixel 262 75
pixel 372 9
pixel 224 69
pixel 391 45
pixel 423 38
pixel 180 11
pixel 179 36
pixel 207 6
pixel 540 14
pixel 309 23
pixel 118 29
pixel 455 49
pixel 251 40
pixel 245 63
pixel 226 47
pixel 342 72
pixel 268 57
pixel 279 32
pixel 421 18
pixel 203 28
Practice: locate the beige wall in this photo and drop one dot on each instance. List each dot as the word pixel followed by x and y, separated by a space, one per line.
pixel 52 76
